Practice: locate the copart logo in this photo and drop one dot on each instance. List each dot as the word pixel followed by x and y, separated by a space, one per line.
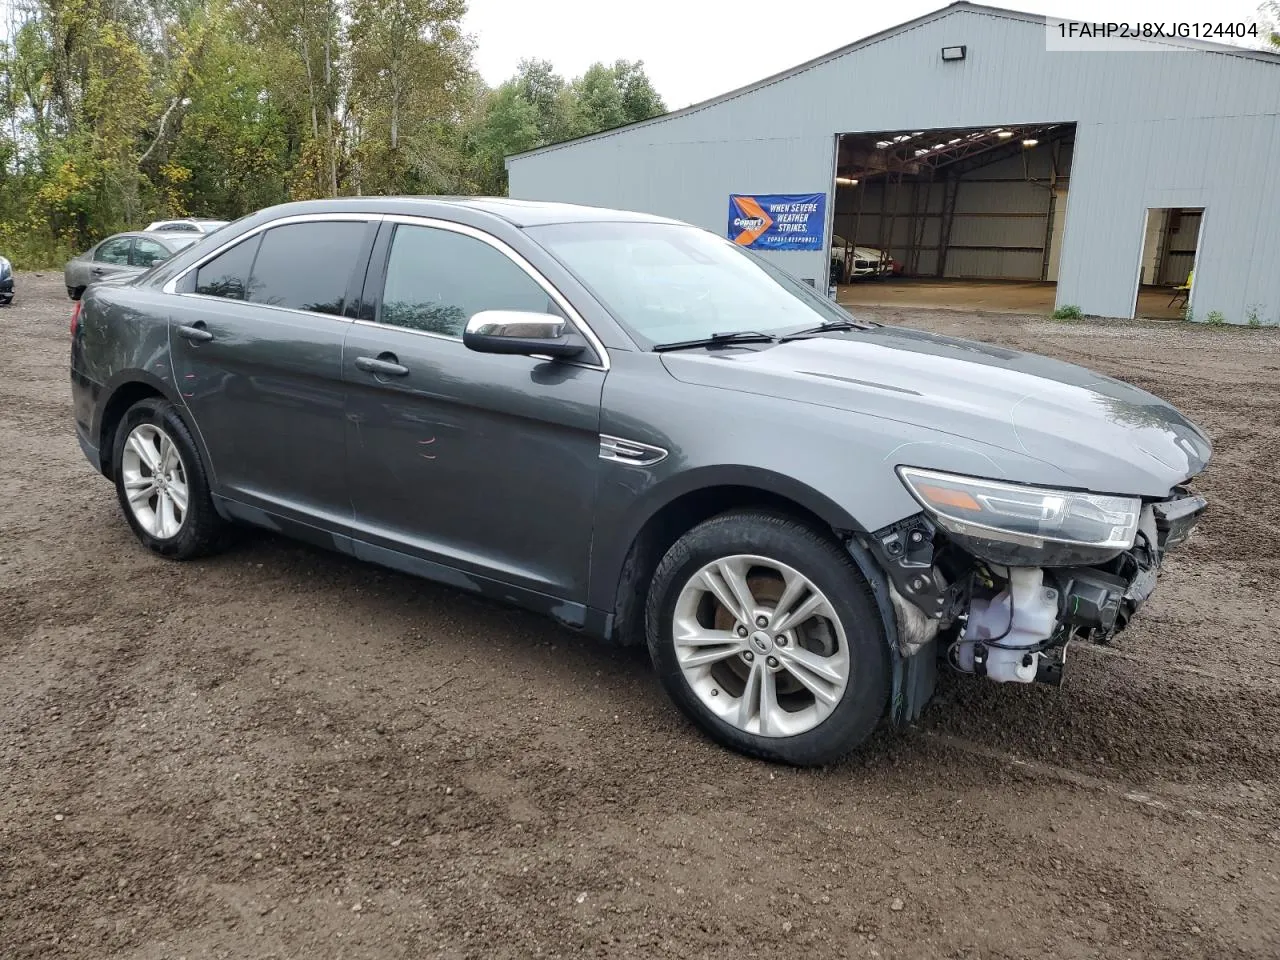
pixel 748 223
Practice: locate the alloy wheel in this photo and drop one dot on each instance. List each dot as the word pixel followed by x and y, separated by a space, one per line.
pixel 760 645
pixel 155 481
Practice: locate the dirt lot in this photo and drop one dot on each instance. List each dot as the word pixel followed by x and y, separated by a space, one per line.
pixel 284 753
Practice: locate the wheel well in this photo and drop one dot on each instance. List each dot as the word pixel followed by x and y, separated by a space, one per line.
pixel 125 397
pixel 668 525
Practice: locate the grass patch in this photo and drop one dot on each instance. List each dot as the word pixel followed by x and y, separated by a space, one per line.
pixel 1068 312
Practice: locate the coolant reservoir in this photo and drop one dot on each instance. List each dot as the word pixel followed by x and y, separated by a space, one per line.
pixel 1028 611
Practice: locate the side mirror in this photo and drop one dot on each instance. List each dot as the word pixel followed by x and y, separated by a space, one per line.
pixel 520 332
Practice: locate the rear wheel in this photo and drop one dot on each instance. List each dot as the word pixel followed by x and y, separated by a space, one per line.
pixel 161 482
pixel 766 636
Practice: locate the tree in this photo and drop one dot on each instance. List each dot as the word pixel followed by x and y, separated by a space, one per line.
pixel 1268 22
pixel 122 111
pixel 509 125
pixel 409 65
pixel 536 107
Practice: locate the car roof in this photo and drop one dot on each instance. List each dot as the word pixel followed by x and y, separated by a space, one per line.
pixel 519 213
pixel 527 213
pixel 148 235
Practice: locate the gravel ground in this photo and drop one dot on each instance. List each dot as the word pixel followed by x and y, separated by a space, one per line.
pixel 284 753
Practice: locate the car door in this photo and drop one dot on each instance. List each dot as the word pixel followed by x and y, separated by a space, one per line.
pixel 110 259
pixel 256 339
pixel 481 462
pixel 147 253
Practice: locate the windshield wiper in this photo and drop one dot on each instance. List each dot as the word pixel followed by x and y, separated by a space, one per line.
pixel 717 340
pixel 827 327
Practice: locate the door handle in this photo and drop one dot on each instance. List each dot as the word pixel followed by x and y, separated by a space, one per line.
pixel 385 365
pixel 97 271
pixel 196 332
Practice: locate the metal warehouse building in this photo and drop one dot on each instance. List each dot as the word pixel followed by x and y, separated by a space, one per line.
pixel 965 151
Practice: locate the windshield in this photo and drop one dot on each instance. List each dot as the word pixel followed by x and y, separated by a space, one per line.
pixel 670 282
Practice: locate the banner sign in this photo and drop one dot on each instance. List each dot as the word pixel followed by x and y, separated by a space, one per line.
pixel 777 221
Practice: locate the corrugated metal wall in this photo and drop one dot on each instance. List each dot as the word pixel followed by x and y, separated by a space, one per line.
pixel 1160 129
pixel 1000 224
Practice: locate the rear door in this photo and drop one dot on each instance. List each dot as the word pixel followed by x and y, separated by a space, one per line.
pixel 482 462
pixel 111 259
pixel 256 338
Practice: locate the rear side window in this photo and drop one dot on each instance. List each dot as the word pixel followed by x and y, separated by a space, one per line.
pixel 113 251
pixel 306 266
pixel 437 280
pixel 227 274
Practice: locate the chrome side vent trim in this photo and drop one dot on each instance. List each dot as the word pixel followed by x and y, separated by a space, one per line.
pixel 628 451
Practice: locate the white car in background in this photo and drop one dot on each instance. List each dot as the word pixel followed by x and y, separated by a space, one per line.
pixel 186 225
pixel 863 262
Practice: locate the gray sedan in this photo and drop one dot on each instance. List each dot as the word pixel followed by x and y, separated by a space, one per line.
pixel 647 433
pixel 125 254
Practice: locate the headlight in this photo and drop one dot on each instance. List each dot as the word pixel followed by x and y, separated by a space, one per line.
pixel 1011 524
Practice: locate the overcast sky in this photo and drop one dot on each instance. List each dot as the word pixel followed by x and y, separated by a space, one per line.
pixel 695 49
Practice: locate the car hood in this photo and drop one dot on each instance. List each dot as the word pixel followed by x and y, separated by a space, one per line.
pixel 1105 435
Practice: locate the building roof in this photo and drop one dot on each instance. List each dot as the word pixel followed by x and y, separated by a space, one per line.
pixel 958 6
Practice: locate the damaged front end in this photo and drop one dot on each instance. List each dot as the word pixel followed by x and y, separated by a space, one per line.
pixel 997 579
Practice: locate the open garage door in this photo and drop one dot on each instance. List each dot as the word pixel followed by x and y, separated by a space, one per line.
pixel 966 217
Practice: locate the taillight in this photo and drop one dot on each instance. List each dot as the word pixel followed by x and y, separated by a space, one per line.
pixel 75 318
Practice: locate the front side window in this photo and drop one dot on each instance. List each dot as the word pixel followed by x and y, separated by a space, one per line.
pixel 115 250
pixel 147 253
pixel 438 279
pixel 227 274
pixel 669 282
pixel 306 266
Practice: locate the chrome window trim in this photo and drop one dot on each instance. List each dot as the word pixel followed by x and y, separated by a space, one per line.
pixel 171 285
pixel 529 269
pixel 210 298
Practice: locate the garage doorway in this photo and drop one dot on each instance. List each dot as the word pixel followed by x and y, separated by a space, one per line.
pixel 1170 244
pixel 968 217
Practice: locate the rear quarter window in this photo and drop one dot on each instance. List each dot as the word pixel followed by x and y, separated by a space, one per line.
pixel 227 274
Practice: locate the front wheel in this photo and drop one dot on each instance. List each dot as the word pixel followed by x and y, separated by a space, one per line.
pixel 766 636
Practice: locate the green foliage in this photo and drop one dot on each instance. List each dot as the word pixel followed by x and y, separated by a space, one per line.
pixel 116 113
pixel 1251 316
pixel 1067 311
pixel 537 107
pixel 1214 318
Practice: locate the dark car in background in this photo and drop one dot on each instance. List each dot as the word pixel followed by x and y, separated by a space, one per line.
pixel 123 255
pixel 6 281
pixel 647 433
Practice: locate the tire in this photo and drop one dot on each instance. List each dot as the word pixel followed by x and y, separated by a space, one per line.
pixel 176 534
pixel 741 545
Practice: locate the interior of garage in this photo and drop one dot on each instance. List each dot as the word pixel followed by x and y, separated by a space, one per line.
pixel 970 218
pixel 1168 260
